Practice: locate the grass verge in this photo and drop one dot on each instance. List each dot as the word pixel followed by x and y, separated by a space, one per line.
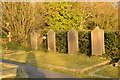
pixel 63 60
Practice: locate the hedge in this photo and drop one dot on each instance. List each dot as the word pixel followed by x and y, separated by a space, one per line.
pixel 61 42
pixel 112 49
pixel 84 42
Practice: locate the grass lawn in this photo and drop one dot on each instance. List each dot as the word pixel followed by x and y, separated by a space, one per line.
pixel 110 71
pixel 64 60
pixel 4 66
pixel 6 52
pixel 58 59
pixel 7 69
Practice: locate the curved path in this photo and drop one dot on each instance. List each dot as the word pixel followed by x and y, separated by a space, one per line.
pixel 35 72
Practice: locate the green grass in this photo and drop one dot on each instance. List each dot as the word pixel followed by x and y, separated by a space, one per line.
pixel 110 71
pixel 64 60
pixel 58 59
pixel 3 67
pixel 6 66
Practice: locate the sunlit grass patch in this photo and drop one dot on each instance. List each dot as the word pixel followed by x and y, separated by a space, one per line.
pixel 110 71
pixel 4 66
pixel 38 58
pixel 64 60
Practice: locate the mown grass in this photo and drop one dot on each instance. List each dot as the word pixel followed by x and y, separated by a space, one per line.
pixel 3 67
pixel 110 71
pixel 64 60
pixel 106 72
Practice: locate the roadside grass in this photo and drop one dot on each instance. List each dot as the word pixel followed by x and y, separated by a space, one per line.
pixel 4 66
pixel 7 70
pixel 58 59
pixel 63 60
pixel 77 74
pixel 4 52
pixel 110 71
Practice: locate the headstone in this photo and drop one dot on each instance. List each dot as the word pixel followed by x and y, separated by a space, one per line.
pixel 72 41
pixel 51 41
pixel 97 41
pixel 34 40
pixel 9 36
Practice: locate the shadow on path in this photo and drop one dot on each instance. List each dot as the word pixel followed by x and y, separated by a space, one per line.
pixel 27 71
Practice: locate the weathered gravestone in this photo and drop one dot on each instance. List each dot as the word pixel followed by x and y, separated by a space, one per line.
pixel 34 40
pixel 72 41
pixel 51 41
pixel 97 41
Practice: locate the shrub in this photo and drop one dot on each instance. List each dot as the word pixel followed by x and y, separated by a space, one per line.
pixel 15 46
pixel 43 46
pixel 84 42
pixel 61 42
pixel 112 48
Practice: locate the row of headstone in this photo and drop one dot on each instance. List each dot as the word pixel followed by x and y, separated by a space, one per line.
pixel 97 41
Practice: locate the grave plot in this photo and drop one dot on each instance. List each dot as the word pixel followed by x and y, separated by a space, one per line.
pixel 6 52
pixel 7 70
pixel 11 52
pixel 63 60
pixel 110 71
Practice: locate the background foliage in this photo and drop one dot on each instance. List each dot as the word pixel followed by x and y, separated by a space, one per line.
pixel 61 42
pixel 84 42
pixel 20 18
pixel 63 16
pixel 112 47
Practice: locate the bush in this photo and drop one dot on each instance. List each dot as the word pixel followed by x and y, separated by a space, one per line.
pixel 61 42
pixel 15 46
pixel 84 42
pixel 112 48
pixel 43 46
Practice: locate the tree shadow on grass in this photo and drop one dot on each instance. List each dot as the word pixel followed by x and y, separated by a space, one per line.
pixel 28 71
